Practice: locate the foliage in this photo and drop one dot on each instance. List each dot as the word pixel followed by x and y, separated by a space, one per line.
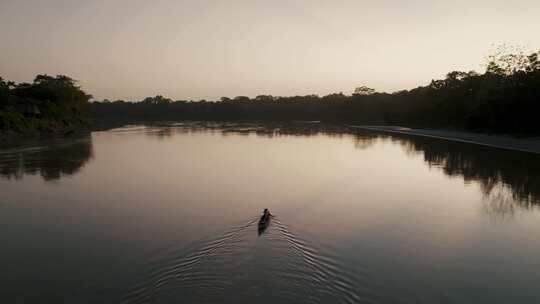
pixel 46 103
pixel 363 90
pixel 505 99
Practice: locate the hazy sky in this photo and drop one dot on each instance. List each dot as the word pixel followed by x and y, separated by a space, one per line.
pixel 206 49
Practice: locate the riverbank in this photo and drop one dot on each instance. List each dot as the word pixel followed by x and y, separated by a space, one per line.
pixel 10 137
pixel 523 144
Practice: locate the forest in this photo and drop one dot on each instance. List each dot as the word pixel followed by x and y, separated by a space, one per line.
pixel 504 99
pixel 48 104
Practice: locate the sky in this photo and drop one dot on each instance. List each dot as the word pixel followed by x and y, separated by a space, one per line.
pixel 205 49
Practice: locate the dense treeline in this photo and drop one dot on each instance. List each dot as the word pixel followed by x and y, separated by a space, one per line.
pixel 46 104
pixel 505 99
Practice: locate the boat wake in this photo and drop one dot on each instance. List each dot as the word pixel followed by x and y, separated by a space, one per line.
pixel 241 266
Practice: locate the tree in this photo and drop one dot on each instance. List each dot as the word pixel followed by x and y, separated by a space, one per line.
pixel 507 60
pixel 264 98
pixel 534 62
pixel 242 98
pixel 47 102
pixel 158 99
pixel 363 90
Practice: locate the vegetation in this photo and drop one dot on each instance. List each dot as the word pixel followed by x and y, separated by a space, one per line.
pixel 46 104
pixel 505 99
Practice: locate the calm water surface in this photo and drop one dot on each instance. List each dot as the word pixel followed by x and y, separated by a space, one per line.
pixel 168 214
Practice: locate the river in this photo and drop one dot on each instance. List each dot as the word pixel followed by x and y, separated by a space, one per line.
pixel 167 213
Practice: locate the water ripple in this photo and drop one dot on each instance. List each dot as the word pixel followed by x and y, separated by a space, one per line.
pixel 239 266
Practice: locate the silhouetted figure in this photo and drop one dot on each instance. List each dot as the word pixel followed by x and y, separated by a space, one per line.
pixel 264 221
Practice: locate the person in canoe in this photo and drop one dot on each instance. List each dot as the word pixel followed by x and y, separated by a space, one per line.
pixel 264 220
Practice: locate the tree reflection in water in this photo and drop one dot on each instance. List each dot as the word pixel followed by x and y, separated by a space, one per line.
pixel 51 160
pixel 508 179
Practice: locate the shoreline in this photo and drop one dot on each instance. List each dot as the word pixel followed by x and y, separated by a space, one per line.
pixel 528 145
pixel 499 141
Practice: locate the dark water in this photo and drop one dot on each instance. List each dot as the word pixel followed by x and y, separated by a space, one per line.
pixel 168 214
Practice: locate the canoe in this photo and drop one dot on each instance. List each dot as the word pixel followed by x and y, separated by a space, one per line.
pixel 263 223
